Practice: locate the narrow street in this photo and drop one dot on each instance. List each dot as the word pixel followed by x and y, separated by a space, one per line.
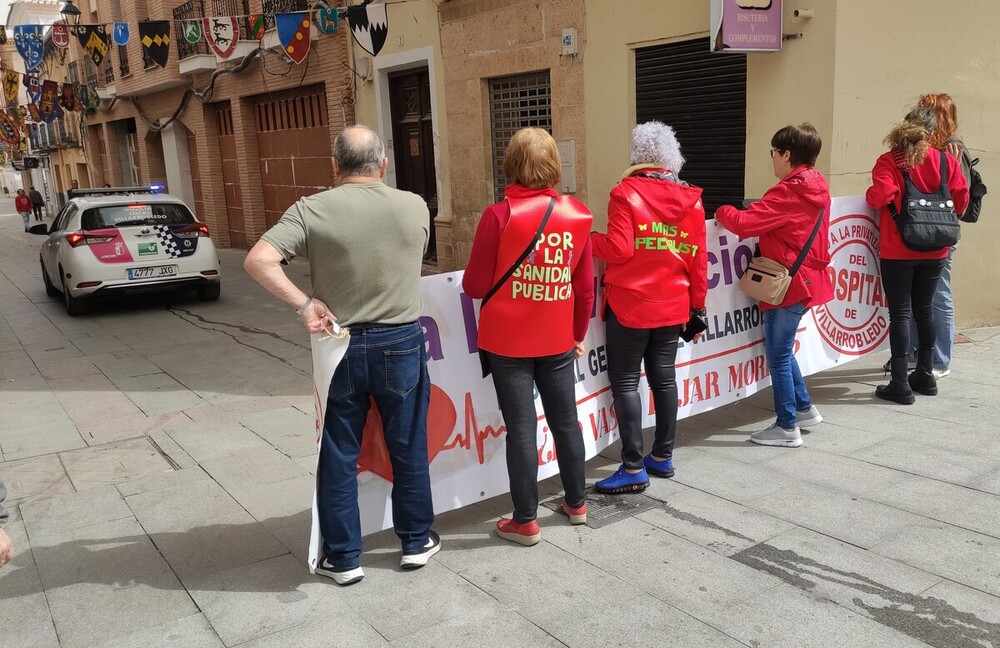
pixel 159 453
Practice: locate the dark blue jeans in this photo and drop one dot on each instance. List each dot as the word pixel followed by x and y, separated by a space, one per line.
pixel 386 364
pixel 514 380
pixel 787 386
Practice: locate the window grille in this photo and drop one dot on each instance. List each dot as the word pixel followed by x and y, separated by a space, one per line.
pixel 516 102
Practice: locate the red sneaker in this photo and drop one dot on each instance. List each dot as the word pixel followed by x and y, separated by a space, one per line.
pixel 576 515
pixel 526 533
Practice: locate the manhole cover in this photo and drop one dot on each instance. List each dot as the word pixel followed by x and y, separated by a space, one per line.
pixel 603 510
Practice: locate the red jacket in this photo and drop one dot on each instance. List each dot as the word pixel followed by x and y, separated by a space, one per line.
pixel 783 220
pixel 537 313
pixel 887 186
pixel 655 251
pixel 22 203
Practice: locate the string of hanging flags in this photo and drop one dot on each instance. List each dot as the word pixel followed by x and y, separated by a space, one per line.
pixel 369 25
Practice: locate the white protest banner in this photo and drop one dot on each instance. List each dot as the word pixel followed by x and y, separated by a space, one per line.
pixel 465 429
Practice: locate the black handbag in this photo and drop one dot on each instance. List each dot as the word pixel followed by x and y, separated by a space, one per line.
pixel 928 221
pixel 483 360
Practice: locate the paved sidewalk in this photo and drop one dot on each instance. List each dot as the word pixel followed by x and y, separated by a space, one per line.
pixel 159 456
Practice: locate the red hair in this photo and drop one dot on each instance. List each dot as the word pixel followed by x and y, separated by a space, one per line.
pixel 947 117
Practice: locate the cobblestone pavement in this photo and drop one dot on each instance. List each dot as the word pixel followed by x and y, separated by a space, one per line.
pixel 159 455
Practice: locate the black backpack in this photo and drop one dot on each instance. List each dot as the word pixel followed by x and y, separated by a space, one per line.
pixel 976 191
pixel 928 221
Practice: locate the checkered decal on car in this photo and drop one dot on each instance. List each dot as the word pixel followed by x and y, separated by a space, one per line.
pixel 172 245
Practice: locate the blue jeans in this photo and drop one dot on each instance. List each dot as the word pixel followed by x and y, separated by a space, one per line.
pixel 944 319
pixel 26 217
pixel 387 365
pixel 790 393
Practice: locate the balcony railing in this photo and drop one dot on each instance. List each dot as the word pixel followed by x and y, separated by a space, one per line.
pixel 190 10
pixel 271 7
pixel 233 8
pixel 124 69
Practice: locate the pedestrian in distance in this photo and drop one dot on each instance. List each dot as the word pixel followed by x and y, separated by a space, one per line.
pixel 531 265
pixel 365 243
pixel 910 277
pixel 656 282
pixel 794 215
pixel 37 203
pixel 22 203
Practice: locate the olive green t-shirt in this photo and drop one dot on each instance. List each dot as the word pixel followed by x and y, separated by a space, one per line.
pixel 365 244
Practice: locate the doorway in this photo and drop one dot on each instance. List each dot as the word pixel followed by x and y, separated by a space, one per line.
pixel 413 141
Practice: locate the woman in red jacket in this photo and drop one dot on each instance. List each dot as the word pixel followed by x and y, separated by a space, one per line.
pixel 910 278
pixel 23 206
pixel 656 278
pixel 783 220
pixel 533 321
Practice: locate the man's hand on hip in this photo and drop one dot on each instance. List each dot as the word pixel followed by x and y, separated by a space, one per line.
pixel 317 316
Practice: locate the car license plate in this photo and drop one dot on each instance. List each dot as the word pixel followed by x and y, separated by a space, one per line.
pixel 153 272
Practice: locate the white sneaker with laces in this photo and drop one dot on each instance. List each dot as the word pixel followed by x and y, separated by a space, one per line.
pixel 348 577
pixel 778 436
pixel 418 560
pixel 941 373
pixel 808 418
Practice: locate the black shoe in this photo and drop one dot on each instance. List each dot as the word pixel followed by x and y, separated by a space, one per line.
pixel 421 556
pixel 896 392
pixel 343 578
pixel 923 383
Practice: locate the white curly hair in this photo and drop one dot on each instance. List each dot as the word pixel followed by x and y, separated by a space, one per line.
pixel 655 143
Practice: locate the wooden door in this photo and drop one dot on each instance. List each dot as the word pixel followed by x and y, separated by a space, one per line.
pixel 413 140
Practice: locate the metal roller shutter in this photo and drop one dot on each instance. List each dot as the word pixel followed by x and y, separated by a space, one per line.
pixel 703 96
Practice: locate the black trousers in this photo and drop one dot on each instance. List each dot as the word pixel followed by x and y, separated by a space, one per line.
pixel 909 286
pixel 627 348
pixel 38 211
pixel 514 380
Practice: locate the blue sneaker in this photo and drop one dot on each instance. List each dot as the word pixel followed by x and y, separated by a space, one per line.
pixel 623 482
pixel 656 468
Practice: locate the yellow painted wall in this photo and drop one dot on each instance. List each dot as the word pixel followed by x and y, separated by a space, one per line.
pixel 890 52
pixel 859 67
pixel 614 31
pixel 412 25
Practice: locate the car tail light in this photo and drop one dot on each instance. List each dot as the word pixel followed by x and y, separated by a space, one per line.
pixel 88 284
pixel 209 273
pixel 193 231
pixel 76 239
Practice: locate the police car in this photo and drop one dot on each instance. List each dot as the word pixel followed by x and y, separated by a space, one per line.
pixel 106 242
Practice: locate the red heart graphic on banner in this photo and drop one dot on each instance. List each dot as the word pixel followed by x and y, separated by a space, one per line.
pixel 441 418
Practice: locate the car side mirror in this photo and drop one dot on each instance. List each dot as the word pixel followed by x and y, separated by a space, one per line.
pixel 41 228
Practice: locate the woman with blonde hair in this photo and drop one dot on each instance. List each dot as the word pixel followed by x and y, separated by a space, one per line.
pixel 531 265
pixel 944 137
pixel 910 277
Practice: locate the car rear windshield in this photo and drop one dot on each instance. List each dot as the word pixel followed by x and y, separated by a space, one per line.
pixel 136 214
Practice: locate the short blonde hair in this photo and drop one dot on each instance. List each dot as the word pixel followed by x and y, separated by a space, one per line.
pixel 532 159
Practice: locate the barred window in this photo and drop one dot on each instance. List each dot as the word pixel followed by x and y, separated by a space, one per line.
pixel 516 102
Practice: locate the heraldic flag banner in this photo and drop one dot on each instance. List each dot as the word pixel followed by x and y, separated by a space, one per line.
pixel 465 429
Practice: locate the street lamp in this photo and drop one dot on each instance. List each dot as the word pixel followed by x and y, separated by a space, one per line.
pixel 70 13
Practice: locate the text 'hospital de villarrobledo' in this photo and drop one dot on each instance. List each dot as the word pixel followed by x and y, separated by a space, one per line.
pixel 233 105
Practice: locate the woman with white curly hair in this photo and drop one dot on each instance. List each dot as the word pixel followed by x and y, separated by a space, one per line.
pixel 656 280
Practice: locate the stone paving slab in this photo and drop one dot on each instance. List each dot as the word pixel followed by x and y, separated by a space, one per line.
pixel 112 464
pixel 35 478
pixel 200 529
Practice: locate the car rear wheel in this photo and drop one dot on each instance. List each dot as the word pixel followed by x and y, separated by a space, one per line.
pixel 74 305
pixel 210 292
pixel 50 290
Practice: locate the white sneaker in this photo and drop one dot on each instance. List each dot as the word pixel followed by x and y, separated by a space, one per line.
pixel 418 560
pixel 778 436
pixel 808 418
pixel 941 373
pixel 348 577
